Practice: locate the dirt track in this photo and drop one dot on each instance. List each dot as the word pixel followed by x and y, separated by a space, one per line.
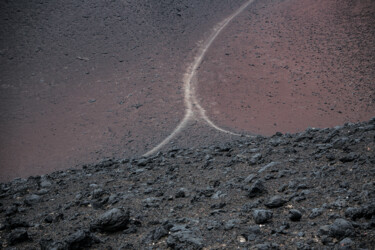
pixel 83 81
pixel 80 84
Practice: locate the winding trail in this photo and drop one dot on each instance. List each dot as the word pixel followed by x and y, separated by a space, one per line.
pixel 193 110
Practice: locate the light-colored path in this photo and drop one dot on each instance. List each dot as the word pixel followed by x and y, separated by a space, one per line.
pixel 193 110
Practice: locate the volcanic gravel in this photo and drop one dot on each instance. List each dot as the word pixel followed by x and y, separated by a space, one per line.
pixel 310 190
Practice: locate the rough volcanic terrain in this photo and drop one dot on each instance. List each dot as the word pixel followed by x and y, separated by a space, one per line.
pixel 311 190
pixel 82 80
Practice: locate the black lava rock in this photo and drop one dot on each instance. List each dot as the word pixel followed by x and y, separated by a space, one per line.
pixel 262 216
pixel 48 244
pixel 275 202
pixel 182 237
pixel 256 189
pixel 81 239
pixel 354 213
pixel 252 233
pixel 346 244
pixel 18 236
pixel 295 215
pixel 341 228
pixel 111 221
pixel 316 212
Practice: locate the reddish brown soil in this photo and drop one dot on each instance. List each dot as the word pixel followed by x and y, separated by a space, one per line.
pixel 91 79
pixel 288 65
pixel 85 80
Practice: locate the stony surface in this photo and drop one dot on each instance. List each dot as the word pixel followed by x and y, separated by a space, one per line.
pixel 198 198
pixel 84 80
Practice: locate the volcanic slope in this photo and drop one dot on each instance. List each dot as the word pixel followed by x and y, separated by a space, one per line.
pixel 311 190
pixel 84 80
pixel 288 65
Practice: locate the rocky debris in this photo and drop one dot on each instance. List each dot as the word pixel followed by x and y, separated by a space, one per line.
pixel 255 159
pixel 177 202
pixel 81 239
pixel 262 216
pixel 18 236
pixel 346 244
pixel 32 199
pixel 252 233
pixel 257 189
pixel 341 228
pixel 48 244
pixel 275 202
pixel 295 215
pixel 315 212
pixel 182 237
pixel 111 221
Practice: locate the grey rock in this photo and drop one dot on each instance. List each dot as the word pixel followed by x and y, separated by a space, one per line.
pixel 324 230
pixel 32 199
pixel 354 213
pixel 340 143
pixel 346 244
pixel 231 224
pixel 295 215
pixel 316 212
pixel 250 178
pixel 111 221
pixel 18 236
pixel 341 228
pixel 45 183
pixel 269 165
pixel 246 208
pixel 255 159
pixel 158 233
pixel 81 239
pixel 182 237
pixel 275 202
pixel 182 193
pixel 349 157
pixel 12 223
pixel 262 216
pixel 151 202
pixel 252 233
pixel 266 246
pixel 257 189
pixel 48 244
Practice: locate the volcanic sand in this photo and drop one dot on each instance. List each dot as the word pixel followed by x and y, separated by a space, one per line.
pixel 110 83
pixel 289 65
pixel 86 80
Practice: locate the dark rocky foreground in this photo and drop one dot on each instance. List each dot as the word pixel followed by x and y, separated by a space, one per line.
pixel 312 190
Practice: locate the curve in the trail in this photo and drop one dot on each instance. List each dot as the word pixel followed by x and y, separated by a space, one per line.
pixel 193 110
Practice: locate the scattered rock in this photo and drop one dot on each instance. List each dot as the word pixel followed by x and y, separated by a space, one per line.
pixel 316 212
pixel 341 228
pixel 18 236
pixel 81 239
pixel 275 202
pixel 32 199
pixel 346 244
pixel 181 237
pixel 257 189
pixel 295 215
pixel 111 221
pixel 262 216
pixel 268 166
pixel 252 233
